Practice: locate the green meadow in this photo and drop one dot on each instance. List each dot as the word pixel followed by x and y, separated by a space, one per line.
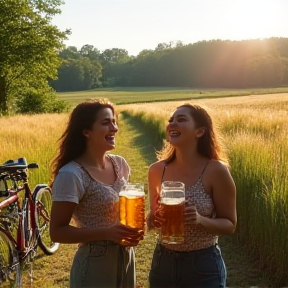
pixel 128 95
pixel 254 128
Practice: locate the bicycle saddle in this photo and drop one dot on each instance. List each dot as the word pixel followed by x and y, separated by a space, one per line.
pixel 20 163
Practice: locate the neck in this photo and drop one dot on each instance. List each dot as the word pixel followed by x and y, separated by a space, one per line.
pixel 93 161
pixel 189 158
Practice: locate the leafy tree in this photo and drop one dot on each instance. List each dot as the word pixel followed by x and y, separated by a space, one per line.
pixel 114 56
pixel 90 52
pixel 110 60
pixel 70 52
pixel 78 74
pixel 29 45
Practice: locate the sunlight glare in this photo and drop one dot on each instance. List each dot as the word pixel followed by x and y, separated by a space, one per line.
pixel 251 19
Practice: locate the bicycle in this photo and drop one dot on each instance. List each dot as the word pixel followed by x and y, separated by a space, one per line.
pixel 24 221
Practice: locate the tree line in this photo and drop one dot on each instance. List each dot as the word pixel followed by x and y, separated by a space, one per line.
pixel 205 64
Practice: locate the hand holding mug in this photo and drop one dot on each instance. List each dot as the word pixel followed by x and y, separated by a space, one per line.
pixel 124 235
pixel 155 220
pixel 192 217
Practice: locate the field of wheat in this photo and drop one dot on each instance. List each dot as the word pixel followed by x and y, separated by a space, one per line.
pixel 255 133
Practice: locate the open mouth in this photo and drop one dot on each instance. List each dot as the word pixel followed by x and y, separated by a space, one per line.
pixel 110 138
pixel 174 133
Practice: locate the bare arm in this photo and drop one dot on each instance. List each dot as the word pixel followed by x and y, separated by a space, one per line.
pixel 224 198
pixel 154 179
pixel 61 231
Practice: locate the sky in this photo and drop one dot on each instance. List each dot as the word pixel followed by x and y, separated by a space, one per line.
pixel 135 25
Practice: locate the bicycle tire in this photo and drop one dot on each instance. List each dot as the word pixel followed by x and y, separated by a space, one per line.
pixel 10 268
pixel 43 204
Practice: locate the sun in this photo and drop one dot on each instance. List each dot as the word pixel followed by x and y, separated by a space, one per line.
pixel 252 19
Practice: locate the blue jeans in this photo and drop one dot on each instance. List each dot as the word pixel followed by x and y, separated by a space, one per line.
pixel 203 268
pixel 102 264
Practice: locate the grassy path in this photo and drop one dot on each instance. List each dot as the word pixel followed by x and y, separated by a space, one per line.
pixel 136 145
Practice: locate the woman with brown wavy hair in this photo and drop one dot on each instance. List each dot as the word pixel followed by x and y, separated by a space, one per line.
pixel 193 155
pixel 86 182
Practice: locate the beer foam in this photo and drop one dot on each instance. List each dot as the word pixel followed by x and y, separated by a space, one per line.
pixel 132 193
pixel 172 201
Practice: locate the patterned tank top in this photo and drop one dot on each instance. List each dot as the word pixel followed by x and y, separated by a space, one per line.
pixel 196 237
pixel 99 207
pixel 98 203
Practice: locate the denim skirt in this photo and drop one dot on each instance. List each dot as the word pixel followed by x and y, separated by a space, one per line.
pixel 102 264
pixel 203 268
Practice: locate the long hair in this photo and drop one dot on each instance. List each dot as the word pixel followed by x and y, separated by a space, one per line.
pixel 72 143
pixel 208 145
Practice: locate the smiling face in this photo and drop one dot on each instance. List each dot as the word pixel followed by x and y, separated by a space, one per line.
pixel 182 128
pixel 101 136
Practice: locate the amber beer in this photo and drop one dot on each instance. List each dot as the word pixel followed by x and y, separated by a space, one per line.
pixel 132 207
pixel 172 205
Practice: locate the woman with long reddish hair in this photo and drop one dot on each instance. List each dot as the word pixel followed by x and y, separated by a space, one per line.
pixel 193 155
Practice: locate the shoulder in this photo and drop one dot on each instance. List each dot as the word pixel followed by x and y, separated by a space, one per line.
pixel 218 171
pixel 69 171
pixel 71 168
pixel 121 165
pixel 157 167
pixel 68 184
pixel 120 160
pixel 217 166
pixel 118 157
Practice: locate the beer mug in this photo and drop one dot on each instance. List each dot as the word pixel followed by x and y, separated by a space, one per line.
pixel 172 201
pixel 132 205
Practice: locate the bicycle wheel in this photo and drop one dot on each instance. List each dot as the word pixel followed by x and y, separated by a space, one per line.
pixel 10 269
pixel 43 203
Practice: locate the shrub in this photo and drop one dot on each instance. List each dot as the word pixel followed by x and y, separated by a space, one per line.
pixel 39 101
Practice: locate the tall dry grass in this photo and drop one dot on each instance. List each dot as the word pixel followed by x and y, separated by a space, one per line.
pixel 254 129
pixel 33 137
